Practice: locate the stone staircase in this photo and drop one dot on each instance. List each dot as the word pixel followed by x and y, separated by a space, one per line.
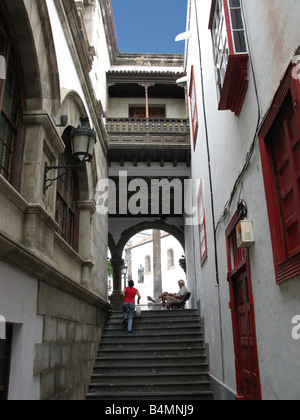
pixel 164 359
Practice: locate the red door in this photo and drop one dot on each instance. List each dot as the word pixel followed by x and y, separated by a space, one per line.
pixel 247 366
pixel 243 318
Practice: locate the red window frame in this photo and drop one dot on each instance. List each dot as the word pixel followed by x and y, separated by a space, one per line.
pixel 194 107
pixel 231 65
pixel 202 224
pixel 287 264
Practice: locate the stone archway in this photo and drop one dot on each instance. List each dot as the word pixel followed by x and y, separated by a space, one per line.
pixel 156 225
pixel 33 33
pixel 117 248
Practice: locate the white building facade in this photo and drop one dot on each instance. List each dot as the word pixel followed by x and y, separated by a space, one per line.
pixel 140 260
pixel 241 62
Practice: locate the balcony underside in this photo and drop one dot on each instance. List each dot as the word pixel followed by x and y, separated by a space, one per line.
pixel 149 155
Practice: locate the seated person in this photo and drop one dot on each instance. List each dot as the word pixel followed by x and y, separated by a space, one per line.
pixel 168 299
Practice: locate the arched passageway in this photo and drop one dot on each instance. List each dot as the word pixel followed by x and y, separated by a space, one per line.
pixel 120 235
pixel 152 261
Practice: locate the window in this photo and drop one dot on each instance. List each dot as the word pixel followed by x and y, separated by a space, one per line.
pixel 280 151
pixel 11 133
pixel 202 224
pixel 140 112
pixel 67 215
pixel 5 356
pixel 147 265
pixel 194 108
pixel 171 259
pixel 230 53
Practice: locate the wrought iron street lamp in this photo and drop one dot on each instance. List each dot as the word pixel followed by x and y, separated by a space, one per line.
pixel 83 140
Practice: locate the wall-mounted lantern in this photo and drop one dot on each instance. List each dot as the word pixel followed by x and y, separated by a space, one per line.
pixel 83 140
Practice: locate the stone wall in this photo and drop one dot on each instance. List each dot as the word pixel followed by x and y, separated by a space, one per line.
pixel 65 358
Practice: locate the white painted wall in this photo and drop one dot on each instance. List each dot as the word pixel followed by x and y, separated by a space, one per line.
pixel 67 70
pixel 170 277
pixel 18 304
pixel 101 61
pixel 273 32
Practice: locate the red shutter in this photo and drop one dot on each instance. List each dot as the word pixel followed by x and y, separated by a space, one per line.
pixel 286 154
pixel 280 154
pixel 194 107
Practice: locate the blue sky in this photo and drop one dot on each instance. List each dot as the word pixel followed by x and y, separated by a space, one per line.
pixel 150 26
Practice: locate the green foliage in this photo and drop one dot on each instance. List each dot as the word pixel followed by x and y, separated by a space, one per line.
pixel 110 269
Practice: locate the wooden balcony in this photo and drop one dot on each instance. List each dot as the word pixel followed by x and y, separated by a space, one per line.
pixel 149 132
pixel 149 140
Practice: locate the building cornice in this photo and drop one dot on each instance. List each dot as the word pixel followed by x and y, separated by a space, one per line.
pixel 149 77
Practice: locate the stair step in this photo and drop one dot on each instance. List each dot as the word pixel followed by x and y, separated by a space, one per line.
pixel 152 396
pixel 146 344
pixel 158 352
pixel 172 323
pixel 121 360
pixel 161 387
pixel 121 337
pixel 158 314
pixel 146 378
pixel 158 333
pixel 156 320
pixel 112 368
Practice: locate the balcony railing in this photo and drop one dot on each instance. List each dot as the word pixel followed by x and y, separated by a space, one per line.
pixel 131 131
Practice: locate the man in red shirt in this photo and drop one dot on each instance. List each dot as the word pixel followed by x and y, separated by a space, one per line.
pixel 129 304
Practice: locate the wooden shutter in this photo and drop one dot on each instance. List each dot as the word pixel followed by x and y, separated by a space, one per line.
pixel 280 154
pixel 285 146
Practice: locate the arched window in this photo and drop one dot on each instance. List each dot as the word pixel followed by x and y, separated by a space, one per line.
pixel 67 214
pixel 147 265
pixel 11 128
pixel 171 259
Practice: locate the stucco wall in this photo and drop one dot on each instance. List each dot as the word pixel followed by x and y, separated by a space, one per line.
pixel 273 39
pixel 18 303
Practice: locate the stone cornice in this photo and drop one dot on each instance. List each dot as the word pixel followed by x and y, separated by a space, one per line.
pixel 149 77
pixel 42 118
pixel 28 261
